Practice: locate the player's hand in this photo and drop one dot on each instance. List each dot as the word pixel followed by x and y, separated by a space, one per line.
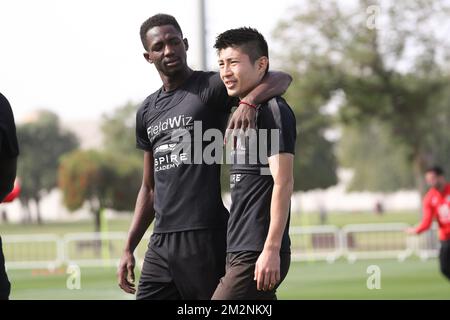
pixel 125 273
pixel 267 269
pixel 243 117
pixel 411 231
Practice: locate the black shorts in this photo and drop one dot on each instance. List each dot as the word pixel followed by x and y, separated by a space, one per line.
pixel 444 258
pixel 238 282
pixel 5 286
pixel 183 265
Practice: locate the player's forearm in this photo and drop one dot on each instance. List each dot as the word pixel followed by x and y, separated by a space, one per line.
pixel 425 224
pixel 142 218
pixel 274 83
pixel 279 212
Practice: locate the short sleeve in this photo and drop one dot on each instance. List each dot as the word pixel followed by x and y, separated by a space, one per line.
pixel 142 140
pixel 214 94
pixel 277 115
pixel 8 139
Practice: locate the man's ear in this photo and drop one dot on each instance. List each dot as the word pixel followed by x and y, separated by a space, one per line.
pixel 147 57
pixel 186 44
pixel 263 64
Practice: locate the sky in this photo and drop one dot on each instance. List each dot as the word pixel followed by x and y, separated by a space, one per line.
pixel 82 59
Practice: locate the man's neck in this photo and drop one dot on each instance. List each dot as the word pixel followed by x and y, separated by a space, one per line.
pixel 174 81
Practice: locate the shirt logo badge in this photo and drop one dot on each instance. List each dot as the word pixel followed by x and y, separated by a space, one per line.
pixel 234 178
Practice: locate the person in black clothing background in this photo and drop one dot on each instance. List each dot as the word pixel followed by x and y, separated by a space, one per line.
pixel 9 151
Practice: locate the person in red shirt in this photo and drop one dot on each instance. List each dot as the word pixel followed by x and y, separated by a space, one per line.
pixel 436 205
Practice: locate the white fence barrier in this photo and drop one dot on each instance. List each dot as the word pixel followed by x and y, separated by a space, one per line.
pixel 94 249
pixel 33 251
pixel 364 241
pixel 315 243
pixel 427 244
pixel 376 241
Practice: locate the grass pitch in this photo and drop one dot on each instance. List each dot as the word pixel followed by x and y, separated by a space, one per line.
pixel 411 279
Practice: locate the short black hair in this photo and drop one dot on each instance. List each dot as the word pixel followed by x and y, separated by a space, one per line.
pixel 436 170
pixel 160 19
pixel 248 39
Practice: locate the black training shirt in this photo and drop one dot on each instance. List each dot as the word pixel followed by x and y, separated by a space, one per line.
pixel 8 139
pixel 187 196
pixel 250 179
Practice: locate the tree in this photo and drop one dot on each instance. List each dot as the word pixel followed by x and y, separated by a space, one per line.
pixel 380 166
pixel 41 142
pixel 118 130
pixel 387 68
pixel 439 140
pixel 315 162
pixel 100 179
pixel 119 136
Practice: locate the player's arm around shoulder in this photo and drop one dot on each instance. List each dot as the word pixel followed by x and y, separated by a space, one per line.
pixel 143 216
pixel 274 83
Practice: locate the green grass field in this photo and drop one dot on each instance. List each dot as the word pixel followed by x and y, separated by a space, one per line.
pixel 412 279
